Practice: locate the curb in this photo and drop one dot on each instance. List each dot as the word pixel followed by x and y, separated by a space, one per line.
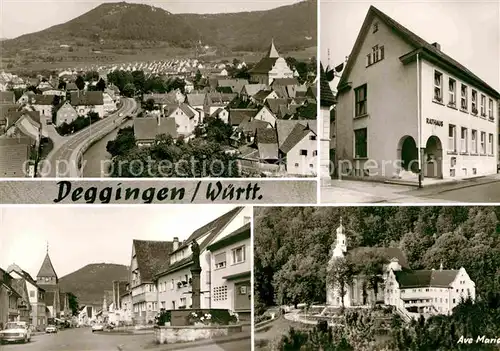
pixel 188 345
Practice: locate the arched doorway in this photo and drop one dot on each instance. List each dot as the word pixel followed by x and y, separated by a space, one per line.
pixel 433 158
pixel 408 154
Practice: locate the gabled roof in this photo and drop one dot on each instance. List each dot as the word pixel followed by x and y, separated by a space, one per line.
pixel 152 256
pixel 71 86
pixel 47 269
pixel 252 89
pixel 425 278
pixel 15 268
pixel 43 99
pixel 183 107
pixel 261 95
pixel 87 98
pixel 238 116
pixel 148 128
pixel 298 133
pixel 421 46
pixel 284 82
pixel 7 97
pixel 253 125
pixel 195 99
pixel 264 65
pixel 238 235
pixel 272 52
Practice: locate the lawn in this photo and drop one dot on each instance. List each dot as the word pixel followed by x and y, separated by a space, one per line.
pixel 275 331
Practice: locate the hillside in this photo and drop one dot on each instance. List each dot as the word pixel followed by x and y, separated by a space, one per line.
pixel 122 26
pixel 90 282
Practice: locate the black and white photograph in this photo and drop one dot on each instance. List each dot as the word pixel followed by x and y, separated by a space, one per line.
pixel 377 278
pixel 173 89
pixel 410 101
pixel 125 278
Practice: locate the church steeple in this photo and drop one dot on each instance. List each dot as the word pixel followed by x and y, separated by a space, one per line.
pixel 341 242
pixel 47 273
pixel 272 52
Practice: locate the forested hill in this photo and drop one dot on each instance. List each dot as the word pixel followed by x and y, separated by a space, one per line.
pixel 295 242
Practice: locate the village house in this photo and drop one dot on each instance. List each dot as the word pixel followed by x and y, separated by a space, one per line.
pixel 413 293
pixel 27 97
pixel 185 117
pixel 14 157
pixel 146 129
pixel 7 97
pixel 266 141
pixel 65 114
pixel 25 123
pixel 261 96
pixel 88 101
pixel 197 102
pixel 37 316
pixel 249 90
pixel 221 113
pixel 174 282
pixel 449 128
pixel 298 145
pixel 266 115
pixel 231 272
pixel 240 115
pixel 148 257
pixel 214 101
pixel 109 104
pixel 270 67
pixel 43 104
pixel 9 298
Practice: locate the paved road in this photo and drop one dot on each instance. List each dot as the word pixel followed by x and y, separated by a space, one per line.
pixel 82 339
pixel 479 193
pixel 59 158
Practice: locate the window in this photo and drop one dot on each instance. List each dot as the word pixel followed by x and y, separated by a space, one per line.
pixel 303 152
pixel 375 27
pixel 463 99
pixel 32 293
pixel 312 137
pixel 360 95
pixel 483 143
pixel 490 144
pixel 360 143
pixel 239 254
pixel 438 86
pixel 451 87
pixel 452 138
pixel 463 140
pixel 315 152
pixel 483 105
pixel 220 260
pixel 490 108
pixel 474 102
pixel 474 141
pixel 172 285
pixel 182 301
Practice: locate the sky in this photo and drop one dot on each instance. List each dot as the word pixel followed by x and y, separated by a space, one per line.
pixel 468 31
pixel 81 235
pixel 20 17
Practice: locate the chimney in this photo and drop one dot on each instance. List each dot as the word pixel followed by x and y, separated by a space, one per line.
pixel 176 243
pixel 437 46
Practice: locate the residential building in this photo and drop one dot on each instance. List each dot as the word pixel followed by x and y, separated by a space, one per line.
pixel 14 157
pixel 9 309
pixel 7 97
pixel 412 292
pixel 147 129
pixel 186 118
pixel 36 294
pixel 231 272
pixel 43 104
pixel 66 114
pixel 449 127
pixel 270 67
pixel 174 283
pixel 297 141
pixel 109 104
pixel 214 101
pixel 88 101
pixel 266 115
pixel 222 113
pixel 148 257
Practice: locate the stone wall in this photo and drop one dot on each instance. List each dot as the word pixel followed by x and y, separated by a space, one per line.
pixel 178 334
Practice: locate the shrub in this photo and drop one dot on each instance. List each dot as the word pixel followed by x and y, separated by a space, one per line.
pixel 219 317
pixel 163 317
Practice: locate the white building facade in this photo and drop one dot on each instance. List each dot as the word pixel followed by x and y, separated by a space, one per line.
pixel 403 105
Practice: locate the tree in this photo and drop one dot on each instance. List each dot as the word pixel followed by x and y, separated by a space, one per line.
pixel 216 130
pixel 149 105
pixel 91 76
pixel 340 276
pixel 139 80
pixel 73 304
pixel 124 142
pixel 101 85
pixel 129 90
pixel 62 85
pixel 80 82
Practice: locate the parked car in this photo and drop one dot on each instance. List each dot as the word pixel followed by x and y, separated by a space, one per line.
pixel 15 332
pixel 97 327
pixel 51 329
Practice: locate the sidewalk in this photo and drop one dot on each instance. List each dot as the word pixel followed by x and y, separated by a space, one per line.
pixel 187 345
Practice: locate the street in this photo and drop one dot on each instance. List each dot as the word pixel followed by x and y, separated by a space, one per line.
pixel 82 339
pixel 63 152
pixel 478 190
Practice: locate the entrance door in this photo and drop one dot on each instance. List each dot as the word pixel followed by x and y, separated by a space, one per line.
pixel 433 158
pixel 242 296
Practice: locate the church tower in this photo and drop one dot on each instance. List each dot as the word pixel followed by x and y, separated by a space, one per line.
pixel 47 275
pixel 333 293
pixel 272 52
pixel 340 242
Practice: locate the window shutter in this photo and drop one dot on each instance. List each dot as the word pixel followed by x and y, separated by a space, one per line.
pixel 368 60
pixel 219 258
pixel 381 52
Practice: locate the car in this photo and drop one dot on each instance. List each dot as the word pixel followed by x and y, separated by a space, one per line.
pixel 97 327
pixel 15 332
pixel 51 329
